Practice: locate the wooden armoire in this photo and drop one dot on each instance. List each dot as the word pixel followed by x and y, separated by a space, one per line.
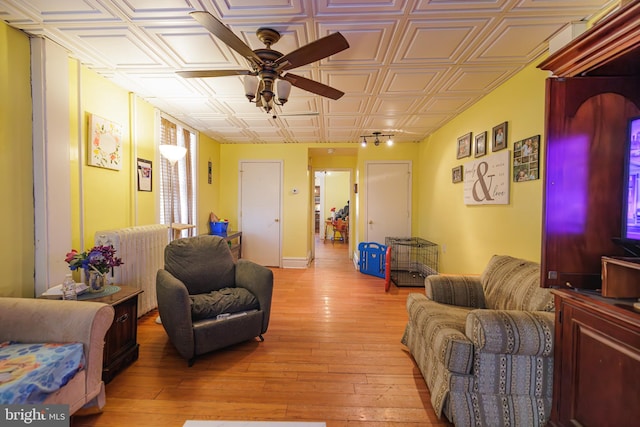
pixel 593 92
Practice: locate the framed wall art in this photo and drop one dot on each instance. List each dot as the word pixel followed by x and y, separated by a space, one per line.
pixel 105 143
pixel 144 175
pixel 456 174
pixel 486 180
pixel 499 141
pixel 481 144
pixel 464 146
pixel 526 159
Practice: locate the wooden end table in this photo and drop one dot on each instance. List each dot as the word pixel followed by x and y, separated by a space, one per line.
pixel 121 342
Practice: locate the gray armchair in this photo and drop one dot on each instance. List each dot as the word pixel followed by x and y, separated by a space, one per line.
pixel 200 281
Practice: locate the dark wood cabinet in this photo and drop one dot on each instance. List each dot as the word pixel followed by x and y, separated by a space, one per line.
pixel 121 342
pixel 582 212
pixel 594 91
pixel 597 361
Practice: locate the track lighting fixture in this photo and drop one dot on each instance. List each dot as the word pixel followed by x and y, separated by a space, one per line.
pixel 376 141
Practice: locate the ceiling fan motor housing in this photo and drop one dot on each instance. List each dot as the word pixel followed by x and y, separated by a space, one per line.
pixel 268 36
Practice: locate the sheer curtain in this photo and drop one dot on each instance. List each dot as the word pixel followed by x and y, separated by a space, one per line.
pixel 180 179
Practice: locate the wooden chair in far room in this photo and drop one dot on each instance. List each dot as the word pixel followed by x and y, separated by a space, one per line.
pixel 341 229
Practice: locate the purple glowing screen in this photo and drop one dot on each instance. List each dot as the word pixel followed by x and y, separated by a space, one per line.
pixel 631 224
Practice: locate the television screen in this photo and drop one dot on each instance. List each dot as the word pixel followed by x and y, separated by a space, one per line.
pixel 631 212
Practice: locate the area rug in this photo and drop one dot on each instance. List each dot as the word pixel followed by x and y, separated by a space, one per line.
pixel 219 423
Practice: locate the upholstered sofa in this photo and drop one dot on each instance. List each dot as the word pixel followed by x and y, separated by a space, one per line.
pixel 484 344
pixel 41 321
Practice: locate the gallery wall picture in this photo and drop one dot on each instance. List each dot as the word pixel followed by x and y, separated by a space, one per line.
pixel 464 146
pixel 526 159
pixel 456 174
pixel 486 180
pixel 499 134
pixel 105 143
pixel 481 144
pixel 144 175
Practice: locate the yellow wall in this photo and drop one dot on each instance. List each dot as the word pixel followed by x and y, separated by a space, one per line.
pixel 296 208
pixel 208 194
pixel 296 214
pixel 16 168
pixel 469 235
pixel 144 134
pixel 107 193
pixel 337 191
pixel 111 200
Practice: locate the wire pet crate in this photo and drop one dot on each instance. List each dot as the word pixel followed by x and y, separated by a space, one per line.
pixel 412 259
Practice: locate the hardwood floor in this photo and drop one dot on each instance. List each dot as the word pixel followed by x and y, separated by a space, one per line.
pixel 332 353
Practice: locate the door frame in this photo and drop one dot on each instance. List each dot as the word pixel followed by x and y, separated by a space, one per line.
pixel 353 212
pixel 280 205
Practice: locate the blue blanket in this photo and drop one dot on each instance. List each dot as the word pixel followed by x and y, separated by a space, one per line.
pixel 29 372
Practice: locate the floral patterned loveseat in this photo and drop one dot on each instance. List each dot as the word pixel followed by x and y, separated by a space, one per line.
pixel 484 344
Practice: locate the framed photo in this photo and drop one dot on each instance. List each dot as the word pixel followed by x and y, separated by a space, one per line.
pixel 526 159
pixel 144 175
pixel 456 174
pixel 464 146
pixel 481 144
pixel 499 137
pixel 105 143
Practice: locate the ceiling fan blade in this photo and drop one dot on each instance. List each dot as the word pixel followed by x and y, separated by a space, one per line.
pixel 225 34
pixel 313 51
pixel 310 113
pixel 213 73
pixel 313 86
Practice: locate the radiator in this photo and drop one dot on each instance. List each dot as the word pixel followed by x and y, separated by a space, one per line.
pixel 142 251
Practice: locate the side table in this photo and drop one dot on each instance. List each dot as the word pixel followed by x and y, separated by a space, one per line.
pixel 121 342
pixel 235 244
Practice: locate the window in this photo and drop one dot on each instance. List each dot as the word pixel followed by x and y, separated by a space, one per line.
pixel 177 183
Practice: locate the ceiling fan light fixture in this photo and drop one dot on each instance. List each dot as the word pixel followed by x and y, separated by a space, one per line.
pixel 389 141
pixel 250 87
pixel 364 141
pixel 283 89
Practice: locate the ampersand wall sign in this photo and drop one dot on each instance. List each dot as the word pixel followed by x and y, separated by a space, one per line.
pixel 486 180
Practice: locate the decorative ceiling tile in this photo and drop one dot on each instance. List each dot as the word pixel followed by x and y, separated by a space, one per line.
pixel 412 65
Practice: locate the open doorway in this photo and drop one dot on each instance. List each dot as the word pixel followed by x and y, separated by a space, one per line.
pixel 332 209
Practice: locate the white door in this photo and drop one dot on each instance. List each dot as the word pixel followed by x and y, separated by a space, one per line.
pixel 388 200
pixel 259 212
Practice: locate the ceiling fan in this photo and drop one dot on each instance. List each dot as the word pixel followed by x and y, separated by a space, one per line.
pixel 268 66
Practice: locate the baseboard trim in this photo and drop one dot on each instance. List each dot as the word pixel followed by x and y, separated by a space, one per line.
pixel 295 262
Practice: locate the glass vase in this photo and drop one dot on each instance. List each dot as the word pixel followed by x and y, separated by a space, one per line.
pixel 95 281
